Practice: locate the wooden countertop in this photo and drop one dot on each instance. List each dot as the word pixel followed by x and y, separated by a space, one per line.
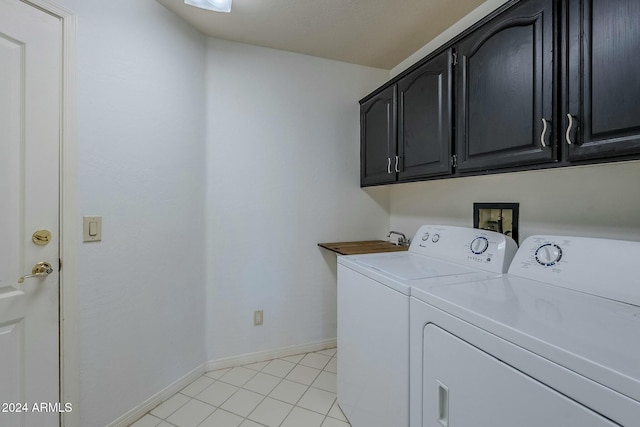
pixel 363 247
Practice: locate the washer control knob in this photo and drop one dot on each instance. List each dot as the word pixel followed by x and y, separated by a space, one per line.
pixel 425 237
pixel 548 254
pixel 435 238
pixel 479 245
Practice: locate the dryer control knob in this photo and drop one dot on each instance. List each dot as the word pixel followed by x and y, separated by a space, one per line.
pixel 548 254
pixel 479 245
pixel 425 237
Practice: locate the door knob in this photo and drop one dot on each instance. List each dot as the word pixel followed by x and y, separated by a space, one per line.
pixel 41 269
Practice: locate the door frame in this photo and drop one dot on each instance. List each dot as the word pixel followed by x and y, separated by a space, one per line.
pixel 69 338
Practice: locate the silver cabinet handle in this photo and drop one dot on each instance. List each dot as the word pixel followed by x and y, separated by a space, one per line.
pixel 567 135
pixel 41 269
pixel 388 164
pixel 397 159
pixel 544 131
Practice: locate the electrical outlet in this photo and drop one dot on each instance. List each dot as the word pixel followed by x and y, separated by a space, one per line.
pixel 257 318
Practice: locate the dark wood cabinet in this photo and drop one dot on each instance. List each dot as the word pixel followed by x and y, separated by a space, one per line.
pixel 406 128
pixel 603 89
pixel 424 120
pixel 378 138
pixel 505 81
pixel 537 84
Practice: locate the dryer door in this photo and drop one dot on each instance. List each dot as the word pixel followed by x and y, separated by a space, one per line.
pixel 466 387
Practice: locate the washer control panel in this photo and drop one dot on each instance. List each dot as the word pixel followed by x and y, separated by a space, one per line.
pixel 426 235
pixel 486 250
pixel 544 253
pixel 479 245
pixel 606 268
pixel 548 254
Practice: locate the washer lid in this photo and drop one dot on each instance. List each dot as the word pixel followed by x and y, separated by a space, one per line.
pixel 596 337
pixel 408 266
pixel 403 271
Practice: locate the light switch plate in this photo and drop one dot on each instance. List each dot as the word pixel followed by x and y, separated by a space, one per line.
pixel 92 228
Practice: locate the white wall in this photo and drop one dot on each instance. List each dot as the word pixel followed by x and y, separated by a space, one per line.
pixel 596 201
pixel 283 155
pixel 141 151
pixel 143 166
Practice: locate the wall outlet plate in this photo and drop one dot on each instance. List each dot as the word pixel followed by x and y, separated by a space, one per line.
pixel 257 318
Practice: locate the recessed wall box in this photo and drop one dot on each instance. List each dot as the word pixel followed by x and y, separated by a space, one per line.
pixel 500 217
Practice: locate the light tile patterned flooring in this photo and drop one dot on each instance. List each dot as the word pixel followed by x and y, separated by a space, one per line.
pixel 294 391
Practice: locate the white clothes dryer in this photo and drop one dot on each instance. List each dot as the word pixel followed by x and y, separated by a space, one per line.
pixel 373 313
pixel 554 343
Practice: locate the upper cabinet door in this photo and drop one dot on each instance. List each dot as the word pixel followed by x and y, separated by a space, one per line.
pixel 378 138
pixel 505 90
pixel 604 79
pixel 424 120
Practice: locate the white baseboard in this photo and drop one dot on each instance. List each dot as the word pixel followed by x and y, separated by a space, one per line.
pixel 262 356
pixel 227 362
pixel 140 410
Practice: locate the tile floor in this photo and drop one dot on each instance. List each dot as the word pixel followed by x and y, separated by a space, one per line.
pixel 294 391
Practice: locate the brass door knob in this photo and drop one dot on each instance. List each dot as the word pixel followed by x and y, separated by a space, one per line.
pixel 41 269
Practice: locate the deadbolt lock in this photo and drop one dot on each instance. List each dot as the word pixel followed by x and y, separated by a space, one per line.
pixel 41 237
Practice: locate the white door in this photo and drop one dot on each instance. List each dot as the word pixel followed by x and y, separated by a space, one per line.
pixel 30 91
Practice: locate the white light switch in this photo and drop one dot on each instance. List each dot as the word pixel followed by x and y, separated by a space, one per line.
pixel 92 228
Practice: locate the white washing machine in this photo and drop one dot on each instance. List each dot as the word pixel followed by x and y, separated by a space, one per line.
pixel 554 343
pixel 373 313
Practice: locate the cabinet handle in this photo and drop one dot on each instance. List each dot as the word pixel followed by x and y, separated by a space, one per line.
pixel 443 405
pixel 567 135
pixel 397 159
pixel 388 164
pixel 544 131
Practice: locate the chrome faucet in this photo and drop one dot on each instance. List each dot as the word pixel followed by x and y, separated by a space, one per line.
pixel 402 239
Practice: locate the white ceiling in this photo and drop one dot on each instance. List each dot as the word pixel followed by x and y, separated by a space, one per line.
pixel 375 33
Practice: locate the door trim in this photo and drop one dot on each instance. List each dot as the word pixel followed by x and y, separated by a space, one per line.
pixel 68 299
